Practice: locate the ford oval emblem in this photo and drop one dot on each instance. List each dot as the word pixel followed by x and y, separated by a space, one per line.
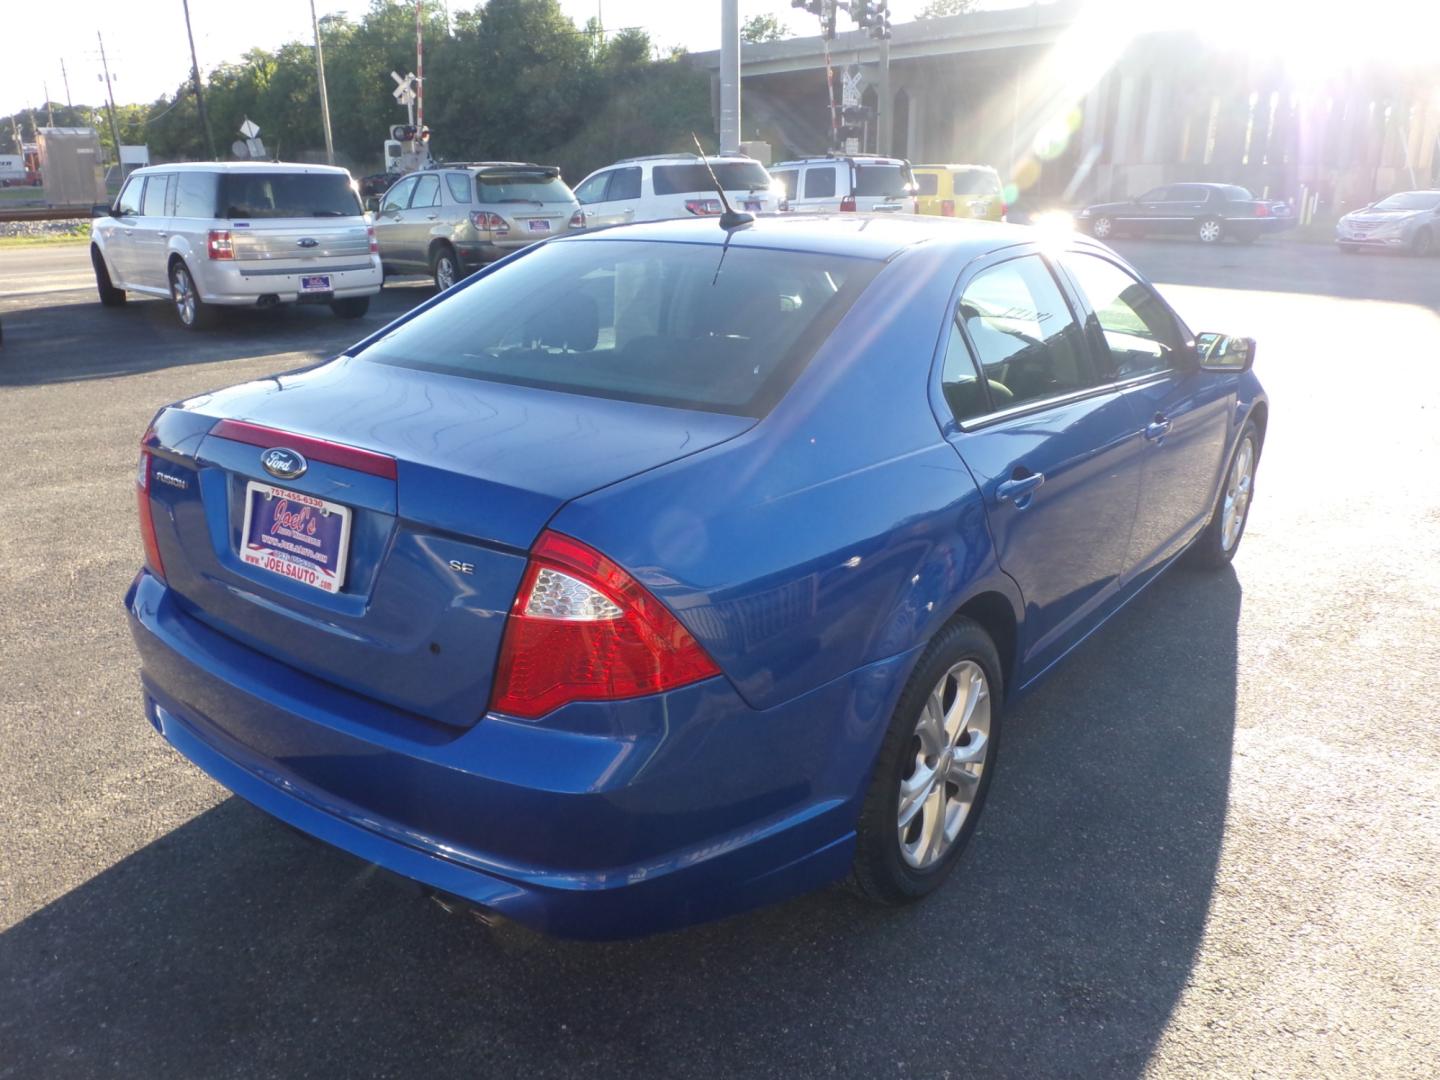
pixel 283 462
pixel 308 242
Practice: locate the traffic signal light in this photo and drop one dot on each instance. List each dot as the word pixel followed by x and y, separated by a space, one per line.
pixel 814 7
pixel 863 12
pixel 880 20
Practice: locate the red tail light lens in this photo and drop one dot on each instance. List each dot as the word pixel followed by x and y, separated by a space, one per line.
pixel 704 207
pixel 221 245
pixel 374 244
pixel 147 516
pixel 947 208
pixel 492 223
pixel 848 203
pixel 582 629
pixel 1262 209
pixel 577 219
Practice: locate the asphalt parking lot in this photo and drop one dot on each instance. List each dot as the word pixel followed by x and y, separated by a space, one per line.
pixel 1211 848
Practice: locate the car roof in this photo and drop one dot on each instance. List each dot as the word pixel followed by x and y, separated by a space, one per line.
pixel 866 236
pixel 951 167
pixel 682 159
pixel 242 167
pixel 858 159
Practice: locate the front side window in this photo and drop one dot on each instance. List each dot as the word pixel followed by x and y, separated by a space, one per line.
pixel 686 325
pixel 128 204
pixel 929 183
pixel 154 204
pixel 195 194
pixel 820 182
pixel 288 195
pixel 624 184
pixel 1158 194
pixel 592 190
pixel 786 179
pixel 1028 342
pixel 398 197
pixel 1141 336
pixel 459 185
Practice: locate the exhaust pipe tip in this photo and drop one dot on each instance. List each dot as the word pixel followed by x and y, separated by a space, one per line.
pixel 267 300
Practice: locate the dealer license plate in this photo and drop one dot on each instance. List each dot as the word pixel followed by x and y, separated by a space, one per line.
pixel 297 536
pixel 539 225
pixel 315 283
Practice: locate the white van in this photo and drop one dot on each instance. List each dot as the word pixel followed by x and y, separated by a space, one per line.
pixel 820 185
pixel 239 235
pixel 673 186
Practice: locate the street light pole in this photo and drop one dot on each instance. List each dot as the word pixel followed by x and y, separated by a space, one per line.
pixel 324 97
pixel 729 76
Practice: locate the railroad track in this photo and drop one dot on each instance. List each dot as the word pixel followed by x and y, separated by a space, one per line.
pixel 45 213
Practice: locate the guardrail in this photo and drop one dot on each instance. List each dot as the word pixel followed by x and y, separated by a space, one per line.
pixel 45 213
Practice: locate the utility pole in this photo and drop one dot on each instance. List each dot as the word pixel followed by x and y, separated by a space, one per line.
pixel 110 95
pixel 324 97
pixel 729 76
pixel 68 103
pixel 199 92
pixel 419 71
pixel 49 109
pixel 884 121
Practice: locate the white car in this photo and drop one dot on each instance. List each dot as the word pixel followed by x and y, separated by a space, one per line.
pixel 238 235
pixel 820 185
pixel 674 186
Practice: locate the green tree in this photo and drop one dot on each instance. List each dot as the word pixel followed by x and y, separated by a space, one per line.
pixel 938 9
pixel 763 27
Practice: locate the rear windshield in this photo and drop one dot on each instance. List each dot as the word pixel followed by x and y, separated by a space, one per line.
pixel 1235 193
pixel 733 176
pixel 688 325
pixel 522 187
pixel 287 195
pixel 882 180
pixel 1410 200
pixel 975 182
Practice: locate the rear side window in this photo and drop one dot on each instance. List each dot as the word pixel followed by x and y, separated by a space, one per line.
pixel 288 195
pixel 459 185
pixel 427 191
pixel 882 180
pixel 1141 336
pixel 522 187
pixel 1028 342
pixel 195 194
pixel 624 184
pixel 975 182
pixel 128 204
pixel 687 179
pixel 685 325
pixel 929 183
pixel 960 381
pixel 820 183
pixel 154 205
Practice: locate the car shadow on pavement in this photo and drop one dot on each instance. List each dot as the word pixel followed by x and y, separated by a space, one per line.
pixel 231 947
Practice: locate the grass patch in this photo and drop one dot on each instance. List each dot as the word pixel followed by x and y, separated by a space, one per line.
pixel 76 235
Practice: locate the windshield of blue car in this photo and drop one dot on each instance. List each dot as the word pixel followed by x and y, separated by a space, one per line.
pixel 287 195
pixel 688 325
pixel 883 180
pixel 522 187
pixel 733 176
pixel 1410 200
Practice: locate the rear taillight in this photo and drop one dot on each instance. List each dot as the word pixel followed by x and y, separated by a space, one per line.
pixel 577 219
pixel 947 208
pixel 147 515
pixel 582 629
pixel 848 203
pixel 220 244
pixel 488 222
pixel 1262 209
pixel 374 244
pixel 704 207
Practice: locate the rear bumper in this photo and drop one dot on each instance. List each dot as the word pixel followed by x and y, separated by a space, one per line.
pixel 243 283
pixel 630 818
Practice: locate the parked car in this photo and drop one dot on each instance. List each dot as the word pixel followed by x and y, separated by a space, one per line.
pixel 967 191
pixel 661 572
pixel 673 186
pixel 236 235
pixel 820 184
pixel 1209 212
pixel 451 219
pixel 1407 221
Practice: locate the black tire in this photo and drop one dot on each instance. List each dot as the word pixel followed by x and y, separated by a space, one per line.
pixel 109 295
pixel 1210 230
pixel 442 255
pixel 880 873
pixel 1209 550
pixel 351 307
pixel 196 315
pixel 1423 243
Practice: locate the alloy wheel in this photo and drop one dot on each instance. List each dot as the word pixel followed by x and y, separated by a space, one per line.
pixel 948 753
pixel 1238 488
pixel 1101 228
pixel 182 290
pixel 1209 231
pixel 444 272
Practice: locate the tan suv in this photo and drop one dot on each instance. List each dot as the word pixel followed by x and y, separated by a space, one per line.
pixel 452 218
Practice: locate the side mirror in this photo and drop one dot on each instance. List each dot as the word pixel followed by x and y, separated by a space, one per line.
pixel 100 210
pixel 372 204
pixel 1220 352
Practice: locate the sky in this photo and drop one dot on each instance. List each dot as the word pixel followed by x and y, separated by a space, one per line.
pixel 149 56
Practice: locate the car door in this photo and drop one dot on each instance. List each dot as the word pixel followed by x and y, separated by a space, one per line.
pixel 149 243
pixel 787 179
pixel 1056 454
pixel 120 230
pixel 390 225
pixel 610 197
pixel 1188 204
pixel 419 219
pixel 1150 212
pixel 1184 412
pixel 818 188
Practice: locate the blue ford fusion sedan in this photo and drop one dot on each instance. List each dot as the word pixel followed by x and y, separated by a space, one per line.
pixel 657 573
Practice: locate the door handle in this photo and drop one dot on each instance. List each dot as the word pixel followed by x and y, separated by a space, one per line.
pixel 1158 428
pixel 162 235
pixel 1018 489
pixel 432 217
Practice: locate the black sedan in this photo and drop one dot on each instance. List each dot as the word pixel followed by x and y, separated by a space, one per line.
pixel 1209 212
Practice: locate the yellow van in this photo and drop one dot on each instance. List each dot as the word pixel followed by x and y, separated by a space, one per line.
pixel 967 191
